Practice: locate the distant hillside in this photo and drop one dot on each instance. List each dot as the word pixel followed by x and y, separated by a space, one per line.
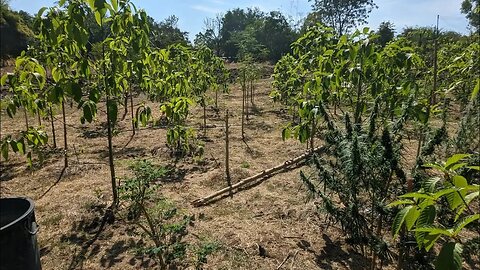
pixel 15 31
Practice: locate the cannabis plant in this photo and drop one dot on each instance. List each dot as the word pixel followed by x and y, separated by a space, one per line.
pixel 355 181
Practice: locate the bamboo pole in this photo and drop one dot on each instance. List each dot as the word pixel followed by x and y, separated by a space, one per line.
pixel 264 174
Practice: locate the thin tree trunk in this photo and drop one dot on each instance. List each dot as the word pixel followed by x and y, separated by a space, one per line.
pixel 251 92
pixel 39 118
pixel 109 127
pixel 243 104
pixel 133 115
pixel 110 153
pixel 359 103
pixel 204 119
pixel 312 139
pixel 65 144
pixel 125 106
pixel 246 100
pixel 26 119
pixel 53 129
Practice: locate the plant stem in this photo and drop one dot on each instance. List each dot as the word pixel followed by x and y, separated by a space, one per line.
pixel 26 118
pixel 133 115
pixel 109 124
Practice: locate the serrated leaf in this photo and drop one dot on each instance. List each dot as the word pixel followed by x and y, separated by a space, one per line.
pixel 443 192
pixel 475 90
pixel 426 218
pixel 430 184
pixel 450 257
pixel 477 168
pixel 417 195
pixel 454 159
pixel 430 240
pixel 412 217
pixel 434 230
pixel 399 219
pixel 400 202
pixel 454 200
pixel 464 222
pixel 434 166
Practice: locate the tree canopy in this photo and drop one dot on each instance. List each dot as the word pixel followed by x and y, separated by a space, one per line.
pixel 471 9
pixel 342 15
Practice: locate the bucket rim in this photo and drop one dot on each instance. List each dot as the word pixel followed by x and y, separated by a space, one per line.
pixel 28 212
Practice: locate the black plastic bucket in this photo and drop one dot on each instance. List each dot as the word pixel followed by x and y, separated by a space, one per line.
pixel 18 235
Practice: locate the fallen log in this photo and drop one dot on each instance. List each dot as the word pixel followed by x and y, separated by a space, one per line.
pixel 264 175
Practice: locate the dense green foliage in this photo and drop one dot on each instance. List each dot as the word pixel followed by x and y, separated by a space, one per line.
pixel 176 76
pixel 342 15
pixel 471 9
pixel 266 36
pixel 383 94
pixel 422 214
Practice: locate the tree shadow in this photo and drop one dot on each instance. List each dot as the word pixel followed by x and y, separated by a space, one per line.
pixel 126 152
pixel 54 184
pixel 98 131
pixel 7 171
pixel 81 235
pixel 113 254
pixel 333 252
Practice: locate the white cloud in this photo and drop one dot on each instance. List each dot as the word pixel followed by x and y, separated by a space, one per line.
pixel 217 2
pixel 206 9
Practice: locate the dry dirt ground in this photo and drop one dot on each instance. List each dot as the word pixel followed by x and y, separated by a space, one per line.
pixel 273 215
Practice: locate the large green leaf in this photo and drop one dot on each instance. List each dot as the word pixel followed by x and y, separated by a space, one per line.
pixel 400 202
pixel 426 218
pixel 399 219
pixel 464 222
pixel 430 240
pixel 430 184
pixel 468 199
pixel 5 150
pixel 417 195
pixel 475 90
pixel 450 257
pixel 454 159
pixel 412 217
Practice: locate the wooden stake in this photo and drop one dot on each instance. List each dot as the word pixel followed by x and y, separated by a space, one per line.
pixel 53 128
pixel 65 145
pixel 227 154
pixel 264 174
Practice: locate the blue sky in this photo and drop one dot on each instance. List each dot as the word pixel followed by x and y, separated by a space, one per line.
pixel 192 13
